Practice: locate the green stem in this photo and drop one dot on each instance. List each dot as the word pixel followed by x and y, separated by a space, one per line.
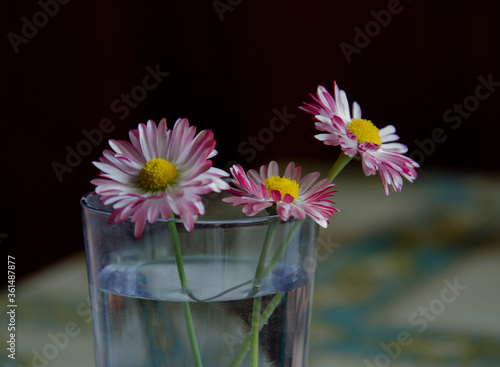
pixel 282 248
pixel 263 319
pixel 271 231
pixel 257 302
pixel 182 277
pixel 178 260
pixel 192 336
pixel 339 164
pixel 227 291
pixel 178 255
pixel 269 266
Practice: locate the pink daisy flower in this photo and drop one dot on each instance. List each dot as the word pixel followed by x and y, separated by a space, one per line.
pixel 161 171
pixel 291 195
pixel 378 148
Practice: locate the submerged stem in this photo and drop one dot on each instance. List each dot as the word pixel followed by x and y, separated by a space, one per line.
pixel 182 277
pixel 262 321
pixel 257 302
pixel 227 291
pixel 192 336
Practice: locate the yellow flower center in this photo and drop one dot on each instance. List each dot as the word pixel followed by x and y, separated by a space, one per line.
pixel 365 131
pixel 157 174
pixel 283 185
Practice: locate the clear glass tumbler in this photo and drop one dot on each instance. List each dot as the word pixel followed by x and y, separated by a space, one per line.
pixel 244 291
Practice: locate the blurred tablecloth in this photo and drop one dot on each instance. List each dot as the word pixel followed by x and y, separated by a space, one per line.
pixel 409 280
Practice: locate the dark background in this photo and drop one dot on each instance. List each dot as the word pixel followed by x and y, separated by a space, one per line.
pixel 230 64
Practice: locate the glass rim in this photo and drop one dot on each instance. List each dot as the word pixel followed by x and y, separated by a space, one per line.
pixel 246 220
